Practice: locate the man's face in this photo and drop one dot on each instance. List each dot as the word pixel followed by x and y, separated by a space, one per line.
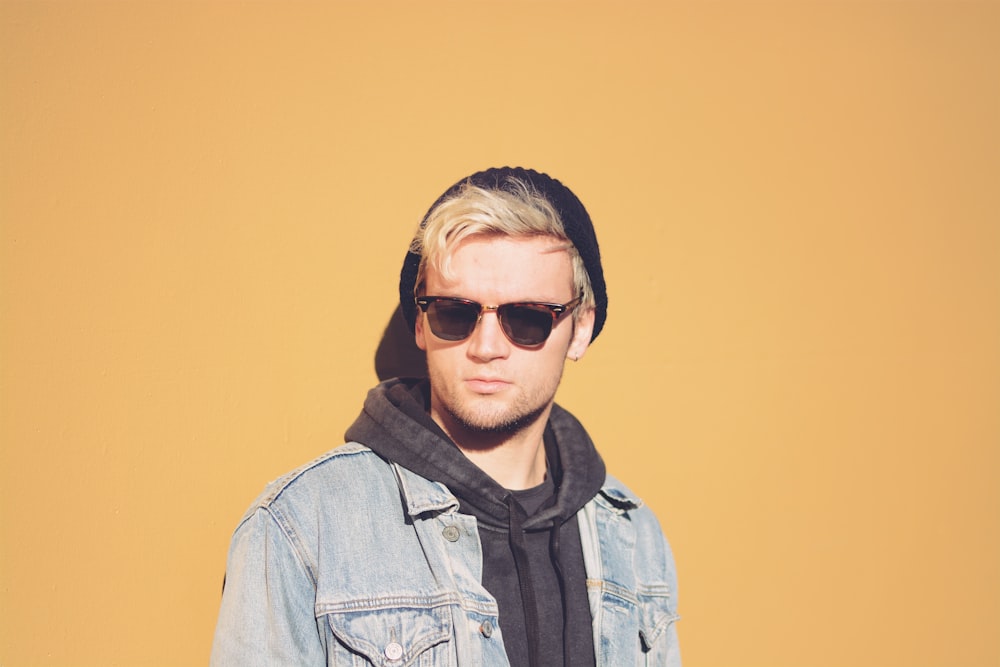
pixel 486 383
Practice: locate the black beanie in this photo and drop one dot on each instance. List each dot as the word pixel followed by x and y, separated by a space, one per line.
pixel 576 223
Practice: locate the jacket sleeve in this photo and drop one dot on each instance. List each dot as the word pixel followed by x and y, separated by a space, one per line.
pixel 673 649
pixel 673 658
pixel 267 615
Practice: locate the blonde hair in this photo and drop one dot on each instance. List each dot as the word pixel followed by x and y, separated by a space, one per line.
pixel 515 209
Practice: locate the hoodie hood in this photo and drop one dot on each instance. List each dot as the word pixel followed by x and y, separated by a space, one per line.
pixel 395 424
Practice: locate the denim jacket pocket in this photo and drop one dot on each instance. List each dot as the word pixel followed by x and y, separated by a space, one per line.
pixel 656 614
pixel 394 637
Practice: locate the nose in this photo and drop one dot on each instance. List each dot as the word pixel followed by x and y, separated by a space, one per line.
pixel 488 340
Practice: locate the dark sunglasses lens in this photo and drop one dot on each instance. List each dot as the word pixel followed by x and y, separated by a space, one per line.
pixel 452 320
pixel 526 325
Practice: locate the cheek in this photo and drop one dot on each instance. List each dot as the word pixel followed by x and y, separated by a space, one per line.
pixel 549 365
pixel 442 360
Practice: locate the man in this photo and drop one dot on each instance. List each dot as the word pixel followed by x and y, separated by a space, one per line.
pixel 468 520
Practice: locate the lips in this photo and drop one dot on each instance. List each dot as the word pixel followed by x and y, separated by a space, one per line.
pixel 486 385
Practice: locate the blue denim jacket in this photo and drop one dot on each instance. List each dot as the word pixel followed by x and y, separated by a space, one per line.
pixel 352 560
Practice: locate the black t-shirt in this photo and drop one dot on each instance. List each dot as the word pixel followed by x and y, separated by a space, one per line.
pixel 562 620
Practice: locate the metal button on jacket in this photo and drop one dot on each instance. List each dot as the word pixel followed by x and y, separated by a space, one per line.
pixel 487 629
pixel 451 533
pixel 393 651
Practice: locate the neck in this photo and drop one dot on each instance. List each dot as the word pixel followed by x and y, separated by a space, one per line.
pixel 515 460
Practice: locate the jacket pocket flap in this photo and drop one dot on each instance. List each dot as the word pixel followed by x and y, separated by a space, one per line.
pixel 655 615
pixel 392 637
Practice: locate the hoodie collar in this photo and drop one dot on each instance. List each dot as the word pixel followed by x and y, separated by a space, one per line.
pixel 394 423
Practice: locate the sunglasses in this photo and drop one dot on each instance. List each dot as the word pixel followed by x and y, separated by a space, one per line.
pixel 526 323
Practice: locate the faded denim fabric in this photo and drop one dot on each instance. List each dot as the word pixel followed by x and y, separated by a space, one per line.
pixel 352 561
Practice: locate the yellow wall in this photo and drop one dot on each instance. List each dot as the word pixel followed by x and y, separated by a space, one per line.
pixel 204 207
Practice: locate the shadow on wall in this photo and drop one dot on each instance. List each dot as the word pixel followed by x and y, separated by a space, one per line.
pixel 397 354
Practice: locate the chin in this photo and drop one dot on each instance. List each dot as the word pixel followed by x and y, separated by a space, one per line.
pixel 496 422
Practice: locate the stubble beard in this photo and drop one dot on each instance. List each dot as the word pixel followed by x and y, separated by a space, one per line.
pixel 495 421
pixel 498 422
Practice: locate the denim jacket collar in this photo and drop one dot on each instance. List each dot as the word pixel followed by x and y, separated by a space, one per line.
pixel 617 498
pixel 421 495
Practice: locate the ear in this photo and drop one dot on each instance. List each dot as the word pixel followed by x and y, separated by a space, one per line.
pixel 419 333
pixel 582 331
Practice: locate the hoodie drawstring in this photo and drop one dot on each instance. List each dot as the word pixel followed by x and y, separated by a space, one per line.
pixel 557 565
pixel 520 550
